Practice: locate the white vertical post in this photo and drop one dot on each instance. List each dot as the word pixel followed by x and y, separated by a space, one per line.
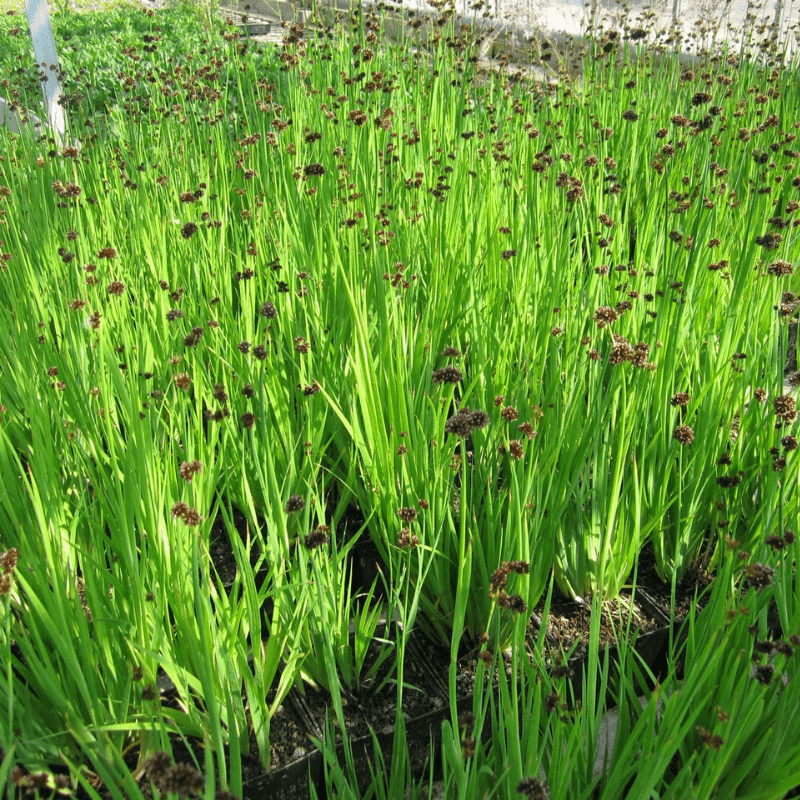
pixel 778 11
pixel 44 48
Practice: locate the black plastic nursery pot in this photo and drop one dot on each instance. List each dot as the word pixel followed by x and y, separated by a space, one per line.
pixel 293 782
pixel 423 732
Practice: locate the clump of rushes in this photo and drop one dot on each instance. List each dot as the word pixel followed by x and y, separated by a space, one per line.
pixel 620 224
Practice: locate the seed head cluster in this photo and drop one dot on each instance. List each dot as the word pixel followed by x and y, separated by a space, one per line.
pixel 188 469
pixel 464 421
pixel 181 778
pixel 447 374
pixel 533 789
pixel 294 503
pixel 683 434
pixel 318 537
pixel 8 563
pixel 190 516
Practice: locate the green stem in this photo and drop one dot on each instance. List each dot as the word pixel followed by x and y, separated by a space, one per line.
pixel 464 575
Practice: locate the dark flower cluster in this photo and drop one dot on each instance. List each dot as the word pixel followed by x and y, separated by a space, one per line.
pixel 190 516
pixel 188 230
pixel 499 577
pixel 188 469
pixel 780 268
pixel 509 414
pixel 193 338
pixel 769 241
pixel 621 351
pixel 181 779
pixel 447 374
pixel 407 514
pixel 683 434
pixel 464 421
pixel 764 673
pixel 317 537
pixel 466 724
pixel 407 539
pixel 513 602
pixel 35 782
pixel 309 389
pixel 700 98
pixel 533 789
pixel 712 741
pixel 778 542
pixel 514 449
pixel 294 503
pixel 759 576
pixel 8 563
pixel 268 310
pixel 605 315
pixel 785 408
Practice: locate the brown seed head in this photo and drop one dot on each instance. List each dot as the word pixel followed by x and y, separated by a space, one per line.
pixel 533 789
pixel 785 407
pixel 605 315
pixel 515 449
pixel 188 230
pixel 188 469
pixel 407 514
pixel 407 539
pixel 183 780
pixel 759 576
pixel 447 374
pixel 509 414
pixel 294 503
pixel 316 538
pixel 780 268
pixel 683 434
pixel 764 673
pixel 268 310
pixel 192 517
